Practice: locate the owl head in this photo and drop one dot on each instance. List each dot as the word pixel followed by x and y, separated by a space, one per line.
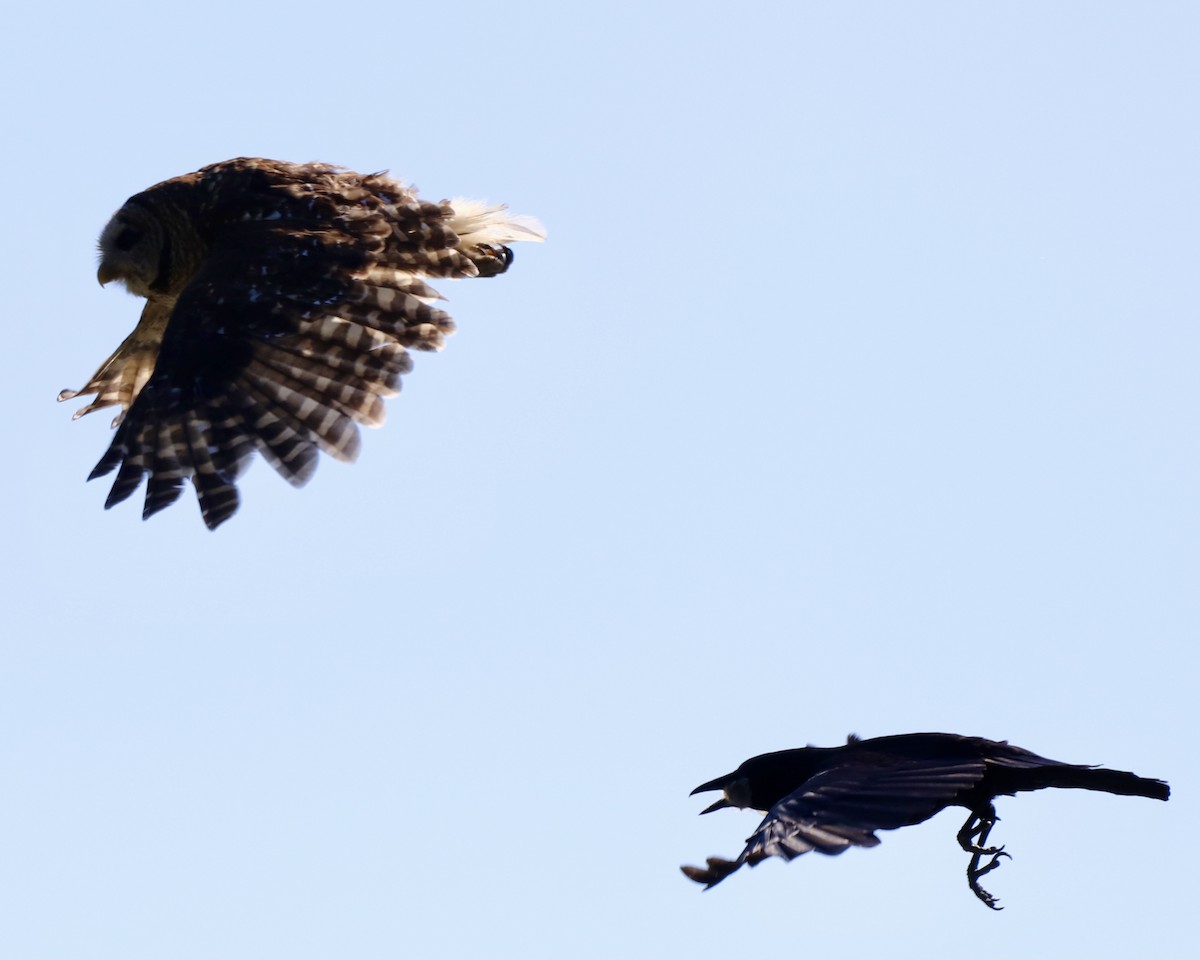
pixel 135 250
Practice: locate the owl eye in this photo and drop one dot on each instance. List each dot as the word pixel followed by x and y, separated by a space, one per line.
pixel 127 238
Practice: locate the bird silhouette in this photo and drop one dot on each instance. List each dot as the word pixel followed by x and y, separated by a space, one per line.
pixel 831 798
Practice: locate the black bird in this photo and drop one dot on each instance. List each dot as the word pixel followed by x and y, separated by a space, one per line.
pixel 831 798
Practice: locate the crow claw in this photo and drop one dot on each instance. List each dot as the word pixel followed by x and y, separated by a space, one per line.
pixel 972 837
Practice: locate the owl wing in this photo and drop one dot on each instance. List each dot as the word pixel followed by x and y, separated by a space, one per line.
pixel 285 339
pixel 122 376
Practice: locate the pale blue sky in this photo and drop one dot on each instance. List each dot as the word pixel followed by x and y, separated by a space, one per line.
pixel 855 389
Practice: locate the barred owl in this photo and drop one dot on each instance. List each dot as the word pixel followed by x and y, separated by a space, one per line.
pixel 281 302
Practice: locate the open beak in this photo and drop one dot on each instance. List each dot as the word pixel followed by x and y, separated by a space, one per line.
pixel 720 783
pixel 719 805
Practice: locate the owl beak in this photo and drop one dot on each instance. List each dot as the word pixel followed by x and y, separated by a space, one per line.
pixel 105 274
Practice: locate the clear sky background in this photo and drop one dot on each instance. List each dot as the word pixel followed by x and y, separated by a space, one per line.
pixel 855 390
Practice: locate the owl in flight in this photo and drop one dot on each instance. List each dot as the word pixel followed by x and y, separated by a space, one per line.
pixel 281 302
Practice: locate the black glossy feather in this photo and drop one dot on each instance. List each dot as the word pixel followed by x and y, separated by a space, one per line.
pixel 829 799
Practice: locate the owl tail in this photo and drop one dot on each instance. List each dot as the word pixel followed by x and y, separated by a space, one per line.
pixel 485 230
pixel 478 222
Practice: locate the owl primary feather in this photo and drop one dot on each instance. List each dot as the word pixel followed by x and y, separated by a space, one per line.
pixel 281 304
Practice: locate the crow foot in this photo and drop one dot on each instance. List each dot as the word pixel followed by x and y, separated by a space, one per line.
pixel 972 838
pixel 974 832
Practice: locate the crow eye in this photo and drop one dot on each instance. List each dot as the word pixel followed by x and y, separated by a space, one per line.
pixel 127 238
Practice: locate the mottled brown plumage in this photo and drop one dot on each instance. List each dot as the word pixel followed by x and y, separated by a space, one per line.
pixel 281 302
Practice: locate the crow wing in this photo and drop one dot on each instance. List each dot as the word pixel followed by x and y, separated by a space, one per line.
pixel 843 807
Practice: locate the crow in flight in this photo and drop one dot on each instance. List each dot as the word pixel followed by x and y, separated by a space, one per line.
pixel 831 798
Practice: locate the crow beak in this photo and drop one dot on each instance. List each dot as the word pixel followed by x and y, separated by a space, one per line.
pixel 718 784
pixel 719 805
